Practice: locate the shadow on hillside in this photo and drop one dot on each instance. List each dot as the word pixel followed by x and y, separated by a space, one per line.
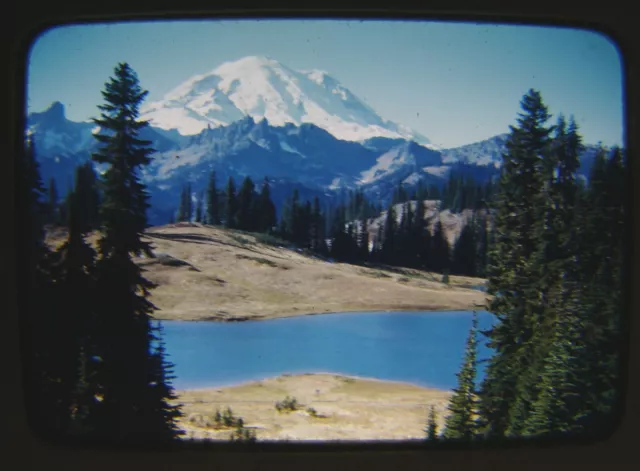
pixel 201 239
pixel 197 238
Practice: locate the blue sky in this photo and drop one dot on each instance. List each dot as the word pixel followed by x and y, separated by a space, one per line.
pixel 454 83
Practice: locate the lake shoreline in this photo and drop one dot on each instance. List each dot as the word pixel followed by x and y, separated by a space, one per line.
pixel 332 407
pixel 288 315
pixel 317 373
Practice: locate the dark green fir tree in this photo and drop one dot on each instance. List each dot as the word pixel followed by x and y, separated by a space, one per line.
pixel 130 408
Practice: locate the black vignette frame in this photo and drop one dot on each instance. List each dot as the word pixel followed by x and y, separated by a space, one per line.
pixel 613 20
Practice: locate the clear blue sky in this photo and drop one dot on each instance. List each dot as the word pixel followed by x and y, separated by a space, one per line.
pixel 455 83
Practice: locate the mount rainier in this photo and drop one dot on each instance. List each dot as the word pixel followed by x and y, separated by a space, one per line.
pixel 263 88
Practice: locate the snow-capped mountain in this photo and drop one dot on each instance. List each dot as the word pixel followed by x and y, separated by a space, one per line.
pixel 62 144
pixel 263 88
pixel 487 152
pixel 56 134
pixel 480 157
pixel 406 158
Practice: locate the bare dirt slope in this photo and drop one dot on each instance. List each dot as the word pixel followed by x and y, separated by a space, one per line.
pixel 208 273
pixel 347 409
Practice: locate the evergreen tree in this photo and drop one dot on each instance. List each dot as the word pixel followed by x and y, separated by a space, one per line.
pixel 161 390
pixel 305 223
pixel 130 408
pixel 213 209
pixel 297 223
pixel 559 408
pixel 439 252
pixel 267 210
pixel 461 422
pixel 376 254
pixel 199 209
pixel 231 205
pixel 284 229
pixel 389 246
pixel 245 205
pixel 405 254
pixel 432 425
pixel 184 210
pixel 601 243
pixel 76 318
pixel 420 239
pixel 512 280
pixel 421 192
pixel 34 274
pixel 363 241
pixel 465 252
pixel 92 205
pixel 317 236
pixel 482 242
pixel 546 266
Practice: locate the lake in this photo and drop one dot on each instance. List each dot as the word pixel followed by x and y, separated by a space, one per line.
pixel 424 348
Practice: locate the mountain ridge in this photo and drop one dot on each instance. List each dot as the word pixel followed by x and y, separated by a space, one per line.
pixel 305 157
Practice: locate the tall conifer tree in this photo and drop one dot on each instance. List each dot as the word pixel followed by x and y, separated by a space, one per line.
pixel 267 210
pixel 37 295
pixel 231 205
pixel 432 425
pixel 213 207
pixel 461 422
pixel 128 370
pixel 245 205
pixel 512 282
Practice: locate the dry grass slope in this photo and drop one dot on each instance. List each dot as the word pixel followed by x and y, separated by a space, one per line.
pixel 347 409
pixel 209 273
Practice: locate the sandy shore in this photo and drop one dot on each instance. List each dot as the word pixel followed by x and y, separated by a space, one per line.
pixel 348 408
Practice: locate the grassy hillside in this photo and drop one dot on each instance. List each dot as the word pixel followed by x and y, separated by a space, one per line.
pixel 208 273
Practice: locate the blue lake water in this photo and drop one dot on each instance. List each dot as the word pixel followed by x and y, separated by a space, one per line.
pixel 424 348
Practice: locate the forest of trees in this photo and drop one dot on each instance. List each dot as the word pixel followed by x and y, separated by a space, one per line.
pixel 458 192
pixel 555 278
pixel 341 231
pixel 94 363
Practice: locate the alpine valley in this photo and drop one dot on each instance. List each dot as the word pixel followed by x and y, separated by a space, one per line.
pixel 257 117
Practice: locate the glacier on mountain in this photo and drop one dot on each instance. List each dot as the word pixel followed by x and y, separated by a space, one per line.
pixel 263 88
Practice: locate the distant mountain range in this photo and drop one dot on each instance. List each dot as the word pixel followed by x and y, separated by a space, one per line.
pixel 241 120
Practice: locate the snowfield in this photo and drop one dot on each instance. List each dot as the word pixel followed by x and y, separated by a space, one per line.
pixel 262 87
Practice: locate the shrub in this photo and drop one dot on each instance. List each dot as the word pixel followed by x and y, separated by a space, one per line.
pixel 227 419
pixel 244 435
pixel 288 404
pixel 312 412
